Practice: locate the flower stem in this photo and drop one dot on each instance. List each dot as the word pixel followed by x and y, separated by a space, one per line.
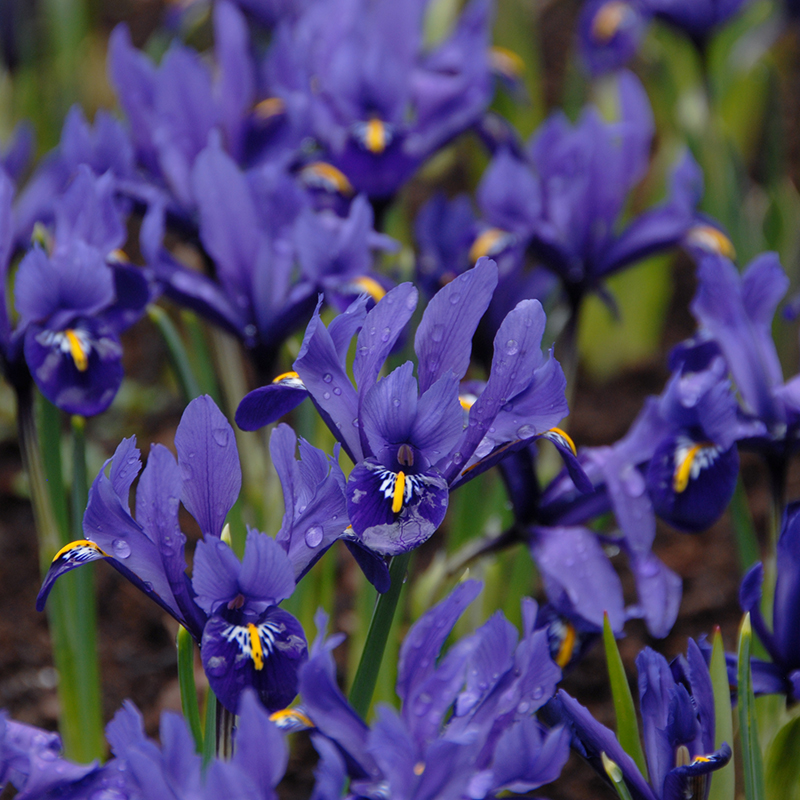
pixel 189 705
pixel 377 636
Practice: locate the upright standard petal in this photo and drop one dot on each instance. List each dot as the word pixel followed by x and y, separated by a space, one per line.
pixel 209 463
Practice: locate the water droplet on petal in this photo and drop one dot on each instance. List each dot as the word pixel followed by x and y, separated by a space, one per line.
pixel 327 377
pixel 121 548
pixel 314 536
pixel 326 395
pixel 512 347
pixel 337 391
pixel 220 436
pixel 387 332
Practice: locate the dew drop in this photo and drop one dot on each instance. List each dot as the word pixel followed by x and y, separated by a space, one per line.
pixel 537 693
pixel 314 536
pixel 396 402
pixel 337 391
pixel 47 755
pixel 512 347
pixel 387 332
pixel 455 298
pixel 523 707
pixel 220 436
pixel 327 377
pixel 326 395
pixel 121 548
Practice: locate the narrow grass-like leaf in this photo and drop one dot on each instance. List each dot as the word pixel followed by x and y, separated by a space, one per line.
pixel 723 781
pixel 189 704
pixel 748 729
pixel 181 363
pixel 615 774
pixel 627 726
pixel 782 768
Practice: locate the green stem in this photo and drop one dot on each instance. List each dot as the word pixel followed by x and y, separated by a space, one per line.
pixel 210 737
pixel 189 705
pixel 177 353
pixel 377 636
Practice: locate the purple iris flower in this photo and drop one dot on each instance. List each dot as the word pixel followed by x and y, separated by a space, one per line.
pixel 102 147
pixel 782 674
pixel 174 771
pixel 74 302
pixel 564 198
pixel 378 104
pixel 572 557
pixel 30 760
pixel 173 108
pixel 410 438
pixel 735 313
pixel 229 607
pixel 466 725
pixel 677 708
pixel 610 31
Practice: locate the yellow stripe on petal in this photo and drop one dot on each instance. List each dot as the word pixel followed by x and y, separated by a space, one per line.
pixel 326 176
pixel 608 20
pixel 506 62
pixel 680 480
pixel 712 240
pixel 375 136
pixel 78 544
pixel 290 718
pixel 76 350
pixel 285 376
pixel 270 107
pixel 563 437
pixel 486 243
pixel 567 647
pixel 399 491
pixel 256 651
pixel 370 286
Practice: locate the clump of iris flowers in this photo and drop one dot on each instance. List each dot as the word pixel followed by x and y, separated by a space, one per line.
pixel 466 726
pixel 229 606
pixel 413 440
pixel 677 707
pixel 140 769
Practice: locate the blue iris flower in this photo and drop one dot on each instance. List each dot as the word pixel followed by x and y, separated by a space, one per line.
pixel 229 607
pixel 414 439
pixel 782 642
pixel 677 707
pixel 74 301
pixel 30 760
pixel 466 724
pixel 376 101
pixel 610 31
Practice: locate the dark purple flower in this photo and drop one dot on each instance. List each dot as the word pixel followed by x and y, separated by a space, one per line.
pixel 409 437
pixel 376 101
pixel 782 641
pixel 677 708
pixel 466 725
pixel 75 301
pixel 229 607
pixel 610 31
pixel 141 769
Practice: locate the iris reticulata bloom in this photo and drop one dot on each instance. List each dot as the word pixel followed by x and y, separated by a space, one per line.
pixel 677 707
pixel 466 727
pixel 782 642
pixel 229 606
pixel 414 439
